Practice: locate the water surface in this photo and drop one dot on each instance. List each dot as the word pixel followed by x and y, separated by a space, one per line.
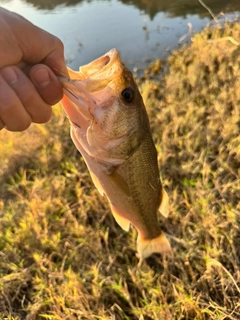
pixel 142 30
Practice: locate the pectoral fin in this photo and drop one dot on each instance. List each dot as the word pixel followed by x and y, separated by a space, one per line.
pixel 164 206
pixel 114 177
pixel 97 183
pixel 120 183
pixel 117 181
pixel 123 222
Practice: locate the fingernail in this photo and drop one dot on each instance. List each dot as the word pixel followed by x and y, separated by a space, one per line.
pixel 10 75
pixel 41 78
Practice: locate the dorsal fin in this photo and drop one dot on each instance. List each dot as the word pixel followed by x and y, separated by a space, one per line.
pixel 164 205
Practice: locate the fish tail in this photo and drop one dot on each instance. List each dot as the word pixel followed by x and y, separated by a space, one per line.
pixel 146 247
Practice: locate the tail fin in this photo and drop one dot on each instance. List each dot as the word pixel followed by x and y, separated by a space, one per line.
pixel 146 247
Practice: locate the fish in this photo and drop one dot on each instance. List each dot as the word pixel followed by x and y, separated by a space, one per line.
pixel 110 128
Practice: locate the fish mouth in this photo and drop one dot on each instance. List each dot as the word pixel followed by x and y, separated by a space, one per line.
pixel 91 88
pixel 98 73
pixel 103 68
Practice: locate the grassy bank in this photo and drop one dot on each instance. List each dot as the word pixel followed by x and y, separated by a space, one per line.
pixel 62 256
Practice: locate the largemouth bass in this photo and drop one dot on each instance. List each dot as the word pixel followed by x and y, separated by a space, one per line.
pixel 110 128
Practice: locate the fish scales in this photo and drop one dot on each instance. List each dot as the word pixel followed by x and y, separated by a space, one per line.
pixel 141 174
pixel 110 128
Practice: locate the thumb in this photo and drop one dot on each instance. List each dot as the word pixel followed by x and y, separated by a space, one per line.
pixel 46 83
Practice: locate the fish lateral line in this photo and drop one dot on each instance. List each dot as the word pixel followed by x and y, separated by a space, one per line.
pixel 118 148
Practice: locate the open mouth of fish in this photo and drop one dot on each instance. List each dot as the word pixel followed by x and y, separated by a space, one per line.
pixel 91 87
pixel 110 127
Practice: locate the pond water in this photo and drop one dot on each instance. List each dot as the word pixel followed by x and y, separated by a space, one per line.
pixel 142 30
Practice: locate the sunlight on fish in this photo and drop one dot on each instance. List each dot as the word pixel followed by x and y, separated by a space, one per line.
pixel 110 128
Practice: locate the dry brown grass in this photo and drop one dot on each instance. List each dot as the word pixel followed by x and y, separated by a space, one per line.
pixel 62 254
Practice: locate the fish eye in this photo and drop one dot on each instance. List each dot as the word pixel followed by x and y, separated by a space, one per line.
pixel 128 94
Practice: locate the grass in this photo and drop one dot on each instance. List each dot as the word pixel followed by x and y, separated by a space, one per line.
pixel 62 256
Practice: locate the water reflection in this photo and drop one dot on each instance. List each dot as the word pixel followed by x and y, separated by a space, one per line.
pixel 174 8
pixel 142 30
pixel 52 4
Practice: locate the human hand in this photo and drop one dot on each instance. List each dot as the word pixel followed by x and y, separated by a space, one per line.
pixel 28 85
